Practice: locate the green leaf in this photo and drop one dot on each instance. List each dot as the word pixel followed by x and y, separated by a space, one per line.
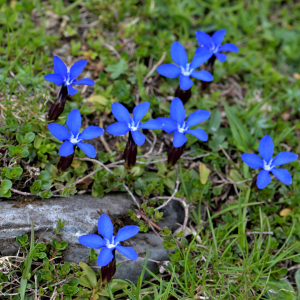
pixel 36 186
pixel 44 175
pixel 6 184
pixel 297 279
pixel 204 172
pixel 90 274
pixel 29 137
pixel 117 69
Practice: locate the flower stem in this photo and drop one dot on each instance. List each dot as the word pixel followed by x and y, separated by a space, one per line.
pixel 210 68
pixel 130 152
pixel 109 270
pixel 184 96
pixel 65 161
pixel 173 155
pixel 58 106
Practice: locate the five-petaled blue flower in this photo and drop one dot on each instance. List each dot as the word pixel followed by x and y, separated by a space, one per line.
pixel 68 78
pixel 213 44
pixel 73 137
pixel 109 242
pixel 177 124
pixel 185 69
pixel 268 164
pixel 133 124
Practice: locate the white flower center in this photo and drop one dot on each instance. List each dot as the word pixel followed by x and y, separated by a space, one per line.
pixel 186 71
pixel 68 81
pixel 133 126
pixel 111 245
pixel 183 128
pixel 74 140
pixel 214 49
pixel 268 166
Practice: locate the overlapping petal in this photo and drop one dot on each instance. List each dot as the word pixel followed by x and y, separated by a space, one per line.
pixel 120 112
pixel 252 160
pixel 169 70
pixel 204 50
pixel 128 252
pixel 105 257
pixel 55 78
pixel 185 82
pixel 85 81
pixel 59 66
pixel 126 233
pixel 91 132
pixel 66 149
pixel 74 121
pixel 202 75
pixel 229 47
pixel 138 137
pixel 117 128
pixel 151 124
pixel 197 117
pixel 263 179
pixel 178 54
pixel 204 39
pixel 91 241
pixel 179 139
pixel 218 37
pixel 88 149
pixel 283 175
pixel 140 111
pixel 284 158
pixel 77 68
pixel 177 111
pixel 200 58
pixel 105 227
pixel 168 125
pixel 266 148
pixel 198 133
pixel 58 131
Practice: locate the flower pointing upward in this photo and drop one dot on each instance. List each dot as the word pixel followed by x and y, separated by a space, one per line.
pixel 212 44
pixel 73 137
pixel 185 69
pixel 268 164
pixel 133 124
pixel 177 124
pixel 67 78
pixel 109 242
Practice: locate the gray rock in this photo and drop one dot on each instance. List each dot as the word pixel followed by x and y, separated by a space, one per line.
pixel 81 216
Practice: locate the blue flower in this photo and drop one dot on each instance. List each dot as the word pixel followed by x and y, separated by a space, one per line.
pixel 73 137
pixel 268 164
pixel 68 78
pixel 185 69
pixel 133 124
pixel 177 124
pixel 213 44
pixel 109 242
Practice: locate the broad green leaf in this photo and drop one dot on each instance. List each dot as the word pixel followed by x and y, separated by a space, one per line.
pixel 90 274
pixel 237 177
pixel 204 172
pixel 6 184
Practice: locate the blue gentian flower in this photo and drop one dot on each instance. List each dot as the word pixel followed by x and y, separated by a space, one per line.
pixel 133 124
pixel 213 44
pixel 108 242
pixel 177 124
pixel 268 164
pixel 185 69
pixel 68 78
pixel 72 137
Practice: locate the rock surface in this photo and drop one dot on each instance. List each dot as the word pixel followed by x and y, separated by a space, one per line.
pixel 80 214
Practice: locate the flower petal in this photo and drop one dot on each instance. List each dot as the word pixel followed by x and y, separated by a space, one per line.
pixel 178 54
pixel 185 82
pixel 105 227
pixel 284 158
pixel 177 111
pixel 283 175
pixel 126 233
pixel 120 112
pixel 229 47
pixel 91 132
pixel 169 70
pixel 105 257
pixel 252 160
pixel 168 125
pixel 197 117
pixel 59 66
pixel 74 121
pixel 198 133
pixel 77 68
pixel 59 131
pixel 151 124
pixel 204 39
pixel 117 128
pixel 202 75
pixel 266 148
pixel 221 57
pixel 66 149
pixel 138 137
pixel 91 241
pixel 263 179
pixel 218 37
pixel 179 139
pixel 88 149
pixel 55 78
pixel 199 59
pixel 85 81
pixel 128 252
pixel 140 110
pixel 71 90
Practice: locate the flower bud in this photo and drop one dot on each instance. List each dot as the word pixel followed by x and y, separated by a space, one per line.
pixel 183 95
pixel 174 154
pixel 130 152
pixel 210 68
pixel 109 270
pixel 65 161
pixel 58 106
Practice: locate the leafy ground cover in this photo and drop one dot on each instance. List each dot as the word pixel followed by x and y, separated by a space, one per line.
pixel 243 243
